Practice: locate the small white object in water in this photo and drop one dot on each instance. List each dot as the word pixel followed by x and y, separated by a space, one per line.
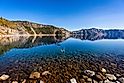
pixel 46 72
pixel 62 50
pixel 73 80
pixel 4 77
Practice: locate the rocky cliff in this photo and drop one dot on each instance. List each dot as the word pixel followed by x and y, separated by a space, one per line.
pixel 95 34
pixel 10 28
pixel 24 27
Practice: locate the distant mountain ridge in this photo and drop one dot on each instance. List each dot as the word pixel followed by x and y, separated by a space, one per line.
pixel 95 34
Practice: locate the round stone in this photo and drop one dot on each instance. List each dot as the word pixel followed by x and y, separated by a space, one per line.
pixel 4 77
pixel 89 73
pixel 111 77
pixel 103 70
pixel 35 75
pixel 121 79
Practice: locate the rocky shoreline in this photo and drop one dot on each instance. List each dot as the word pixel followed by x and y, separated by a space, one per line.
pixel 61 69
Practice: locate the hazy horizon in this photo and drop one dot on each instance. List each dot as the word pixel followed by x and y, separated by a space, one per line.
pixel 69 14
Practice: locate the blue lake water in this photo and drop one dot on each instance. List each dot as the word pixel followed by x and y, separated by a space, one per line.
pixel 31 52
pixel 70 46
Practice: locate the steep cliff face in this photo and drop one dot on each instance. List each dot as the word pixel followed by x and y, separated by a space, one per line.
pixel 28 24
pixel 11 28
pixel 7 30
pixel 24 27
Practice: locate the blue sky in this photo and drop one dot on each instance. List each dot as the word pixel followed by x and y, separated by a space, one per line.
pixel 70 14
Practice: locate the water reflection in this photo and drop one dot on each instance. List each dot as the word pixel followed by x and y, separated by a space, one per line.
pixel 7 43
pixel 98 35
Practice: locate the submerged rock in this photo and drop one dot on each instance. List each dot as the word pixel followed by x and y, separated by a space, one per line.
pixel 73 80
pixel 94 81
pixel 89 80
pixel 99 77
pixel 118 75
pixel 107 81
pixel 35 75
pixel 103 70
pixel 121 79
pixel 41 81
pixel 89 73
pixel 111 77
pixel 119 82
pixel 24 81
pixel 82 80
pixel 14 82
pixel 101 81
pixel 46 73
pixel 4 77
pixel 85 77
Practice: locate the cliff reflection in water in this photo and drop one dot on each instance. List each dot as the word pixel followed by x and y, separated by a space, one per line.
pixel 7 43
pixel 98 35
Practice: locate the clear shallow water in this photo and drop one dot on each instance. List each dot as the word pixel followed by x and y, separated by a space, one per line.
pixel 70 46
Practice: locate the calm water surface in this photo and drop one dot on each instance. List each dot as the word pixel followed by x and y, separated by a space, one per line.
pixel 18 54
pixel 66 47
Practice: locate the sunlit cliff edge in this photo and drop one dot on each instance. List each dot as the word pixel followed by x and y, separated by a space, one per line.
pixel 26 28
